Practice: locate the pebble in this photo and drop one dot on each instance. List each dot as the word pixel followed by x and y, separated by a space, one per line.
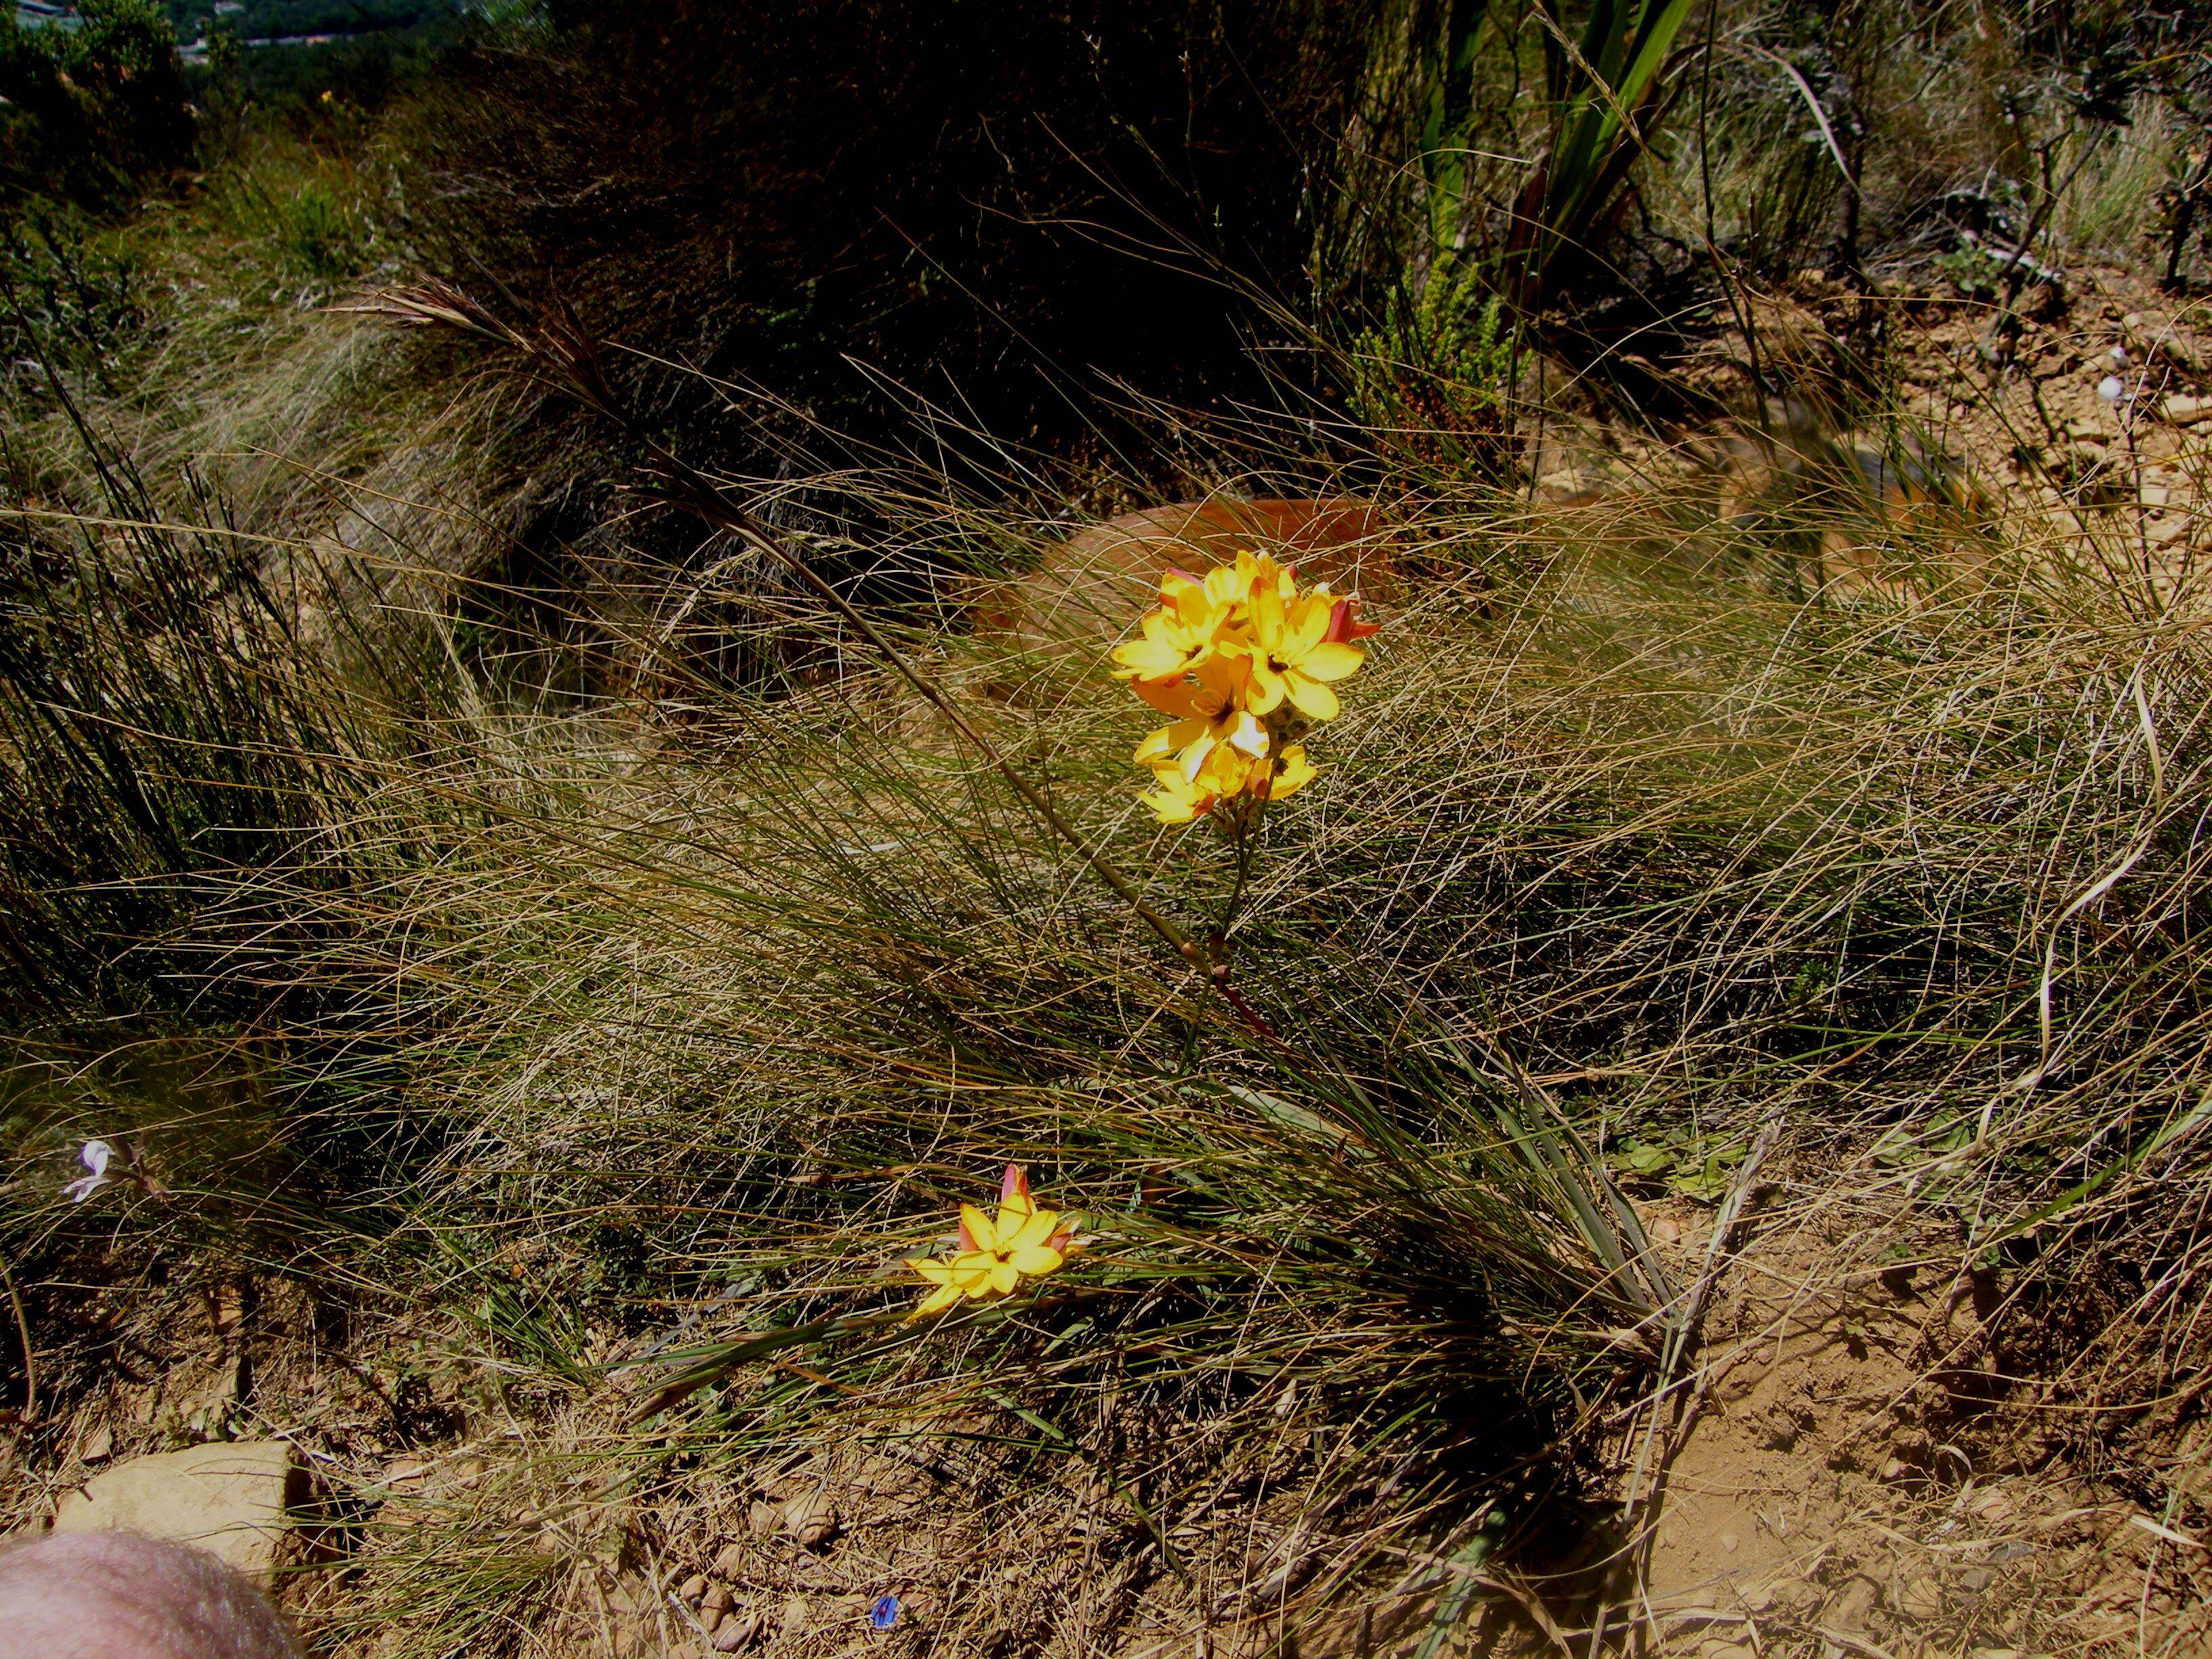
pixel 810 1519
pixel 1921 1601
pixel 2187 412
pixel 718 1599
pixel 230 1498
pixel 694 1589
pixel 736 1629
pixel 731 1562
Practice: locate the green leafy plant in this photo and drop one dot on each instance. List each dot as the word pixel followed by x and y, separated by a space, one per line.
pixel 97 106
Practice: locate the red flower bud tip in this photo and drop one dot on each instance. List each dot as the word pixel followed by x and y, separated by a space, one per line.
pixel 1344 624
pixel 1016 1183
pixel 967 1238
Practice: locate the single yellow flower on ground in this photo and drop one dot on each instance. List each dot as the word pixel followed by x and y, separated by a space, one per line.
pixel 996 1253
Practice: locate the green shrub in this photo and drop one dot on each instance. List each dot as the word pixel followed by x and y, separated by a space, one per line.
pixel 97 108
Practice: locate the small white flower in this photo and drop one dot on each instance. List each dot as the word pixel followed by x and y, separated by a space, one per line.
pixel 2110 388
pixel 2119 357
pixel 93 1155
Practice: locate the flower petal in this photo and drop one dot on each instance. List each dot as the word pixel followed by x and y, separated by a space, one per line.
pixel 1247 734
pixel 1170 808
pixel 977 1228
pixel 1035 1259
pixel 1308 624
pixel 1310 697
pixel 1266 617
pixel 1035 1229
pixel 1177 697
pixel 1331 662
pixel 1004 1276
pixel 1267 688
pixel 936 1272
pixel 1170 740
pixel 936 1302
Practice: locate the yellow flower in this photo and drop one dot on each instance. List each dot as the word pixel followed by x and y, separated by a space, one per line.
pixel 1229 587
pixel 1177 635
pixel 1293 657
pixel 1177 800
pixel 1212 715
pixel 1288 772
pixel 996 1253
pixel 953 1280
pixel 1186 791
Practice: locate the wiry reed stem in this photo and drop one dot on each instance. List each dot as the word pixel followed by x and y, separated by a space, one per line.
pixel 571 362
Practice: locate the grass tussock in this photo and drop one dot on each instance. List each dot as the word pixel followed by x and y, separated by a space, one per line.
pixel 479 865
pixel 687 1020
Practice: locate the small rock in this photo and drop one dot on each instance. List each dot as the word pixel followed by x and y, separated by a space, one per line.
pixel 731 1562
pixel 1727 1650
pixel 1992 1506
pixel 718 1599
pixel 711 1619
pixel 794 1615
pixel 405 1474
pixel 811 1519
pixel 739 1629
pixel 763 1519
pixel 1850 1609
pixel 694 1589
pixel 232 1499
pixel 1728 1543
pixel 1975 1580
pixel 98 1445
pixel 2186 411
pixel 1920 1601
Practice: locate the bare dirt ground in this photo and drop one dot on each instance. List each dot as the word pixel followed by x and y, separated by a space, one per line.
pixel 1874 1471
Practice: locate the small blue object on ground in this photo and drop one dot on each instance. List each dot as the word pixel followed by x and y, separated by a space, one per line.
pixel 885 1612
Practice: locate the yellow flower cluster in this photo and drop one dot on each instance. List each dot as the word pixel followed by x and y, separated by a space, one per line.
pixel 1242 661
